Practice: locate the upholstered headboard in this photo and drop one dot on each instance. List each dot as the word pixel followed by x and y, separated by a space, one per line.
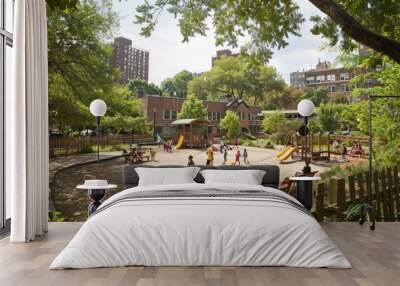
pixel 130 178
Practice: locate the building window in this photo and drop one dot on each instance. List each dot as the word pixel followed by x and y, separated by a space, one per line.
pixel 332 88
pixel 209 115
pixel 320 78
pixel 167 114
pixel 331 77
pixel 248 116
pixel 344 76
pixel 345 87
pixel 173 113
pixel 310 79
pixel 218 115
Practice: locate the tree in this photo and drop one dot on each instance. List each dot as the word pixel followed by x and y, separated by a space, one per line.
pixel 79 60
pixel 237 78
pixel 231 123
pixel 317 95
pixel 270 23
pixel 279 126
pixel 142 87
pixel 329 117
pixel 192 108
pixel 177 85
pixel 288 98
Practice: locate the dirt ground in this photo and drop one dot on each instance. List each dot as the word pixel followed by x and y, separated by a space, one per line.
pixel 73 202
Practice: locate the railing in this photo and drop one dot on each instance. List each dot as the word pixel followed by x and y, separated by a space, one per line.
pixel 335 197
pixel 84 144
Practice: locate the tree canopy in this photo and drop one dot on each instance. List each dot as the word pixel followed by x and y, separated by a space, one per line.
pixel 231 123
pixel 177 85
pixel 269 24
pixel 142 87
pixel 79 65
pixel 237 78
pixel 192 108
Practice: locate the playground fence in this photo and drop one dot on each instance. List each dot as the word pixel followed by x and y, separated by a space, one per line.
pixel 334 198
pixel 61 146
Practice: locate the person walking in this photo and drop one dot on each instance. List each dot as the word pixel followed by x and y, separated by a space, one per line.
pixel 245 155
pixel 210 156
pixel 225 154
pixel 221 146
pixel 237 157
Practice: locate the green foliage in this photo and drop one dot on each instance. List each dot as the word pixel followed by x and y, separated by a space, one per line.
pixel 142 87
pixel 56 216
pixel 352 212
pixel 279 126
pixel 329 117
pixel 317 95
pixel 381 17
pixel 339 98
pixel 177 85
pixel 237 77
pixel 231 123
pixel 288 98
pixel 192 108
pixel 268 23
pixel 79 61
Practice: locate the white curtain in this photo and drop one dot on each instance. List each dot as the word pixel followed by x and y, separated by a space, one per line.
pixel 27 124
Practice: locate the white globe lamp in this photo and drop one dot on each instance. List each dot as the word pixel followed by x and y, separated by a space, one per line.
pixel 98 108
pixel 305 107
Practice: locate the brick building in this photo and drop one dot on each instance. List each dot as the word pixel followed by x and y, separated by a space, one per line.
pixel 133 63
pixel 164 111
pixel 336 80
pixel 223 53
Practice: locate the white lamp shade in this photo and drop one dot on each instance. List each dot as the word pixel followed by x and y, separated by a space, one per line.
pixel 305 107
pixel 98 107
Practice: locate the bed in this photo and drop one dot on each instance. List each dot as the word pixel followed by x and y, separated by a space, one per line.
pixel 201 224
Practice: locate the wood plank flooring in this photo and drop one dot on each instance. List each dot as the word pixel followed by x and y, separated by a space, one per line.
pixel 375 257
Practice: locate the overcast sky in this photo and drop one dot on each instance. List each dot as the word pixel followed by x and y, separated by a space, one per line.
pixel 168 55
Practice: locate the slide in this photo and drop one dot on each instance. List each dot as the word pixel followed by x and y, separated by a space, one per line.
pixel 286 153
pixel 180 142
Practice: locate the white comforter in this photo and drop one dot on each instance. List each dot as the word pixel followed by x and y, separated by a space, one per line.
pixel 211 231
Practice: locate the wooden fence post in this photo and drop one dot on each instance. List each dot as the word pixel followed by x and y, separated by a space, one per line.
pixel 352 188
pixel 320 202
pixel 360 183
pixel 341 197
pixel 332 195
pixel 390 192
pixel 378 195
pixel 396 189
pixel 384 193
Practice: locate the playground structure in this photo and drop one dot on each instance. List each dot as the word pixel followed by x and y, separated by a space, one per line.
pixel 192 133
pixel 319 146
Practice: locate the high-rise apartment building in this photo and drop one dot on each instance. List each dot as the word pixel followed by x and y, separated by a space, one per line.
pixel 132 63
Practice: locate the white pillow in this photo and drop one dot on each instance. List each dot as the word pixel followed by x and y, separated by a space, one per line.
pixel 166 176
pixel 247 177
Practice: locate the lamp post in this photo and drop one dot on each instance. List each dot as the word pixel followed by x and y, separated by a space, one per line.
pixel 98 108
pixel 305 108
pixel 154 124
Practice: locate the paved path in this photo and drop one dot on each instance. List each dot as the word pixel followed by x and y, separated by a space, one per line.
pixel 56 164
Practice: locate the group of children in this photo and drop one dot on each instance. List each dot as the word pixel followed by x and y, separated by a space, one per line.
pixel 223 150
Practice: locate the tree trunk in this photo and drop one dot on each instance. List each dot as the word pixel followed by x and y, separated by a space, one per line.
pixel 356 31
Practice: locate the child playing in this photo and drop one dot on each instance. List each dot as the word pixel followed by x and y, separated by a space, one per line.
pixel 245 155
pixel 237 157
pixel 190 161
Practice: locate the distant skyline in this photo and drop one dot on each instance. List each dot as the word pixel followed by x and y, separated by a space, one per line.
pixel 168 55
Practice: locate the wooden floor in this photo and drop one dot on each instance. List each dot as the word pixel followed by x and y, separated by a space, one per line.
pixel 375 257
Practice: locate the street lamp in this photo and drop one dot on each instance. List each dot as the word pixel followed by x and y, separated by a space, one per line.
pixel 98 108
pixel 305 108
pixel 154 124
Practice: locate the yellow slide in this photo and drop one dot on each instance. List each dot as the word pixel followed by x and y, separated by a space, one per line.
pixel 180 142
pixel 286 153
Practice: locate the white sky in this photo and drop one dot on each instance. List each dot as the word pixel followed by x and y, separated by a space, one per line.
pixel 168 55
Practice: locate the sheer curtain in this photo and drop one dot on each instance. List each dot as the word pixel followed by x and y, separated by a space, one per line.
pixel 27 124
